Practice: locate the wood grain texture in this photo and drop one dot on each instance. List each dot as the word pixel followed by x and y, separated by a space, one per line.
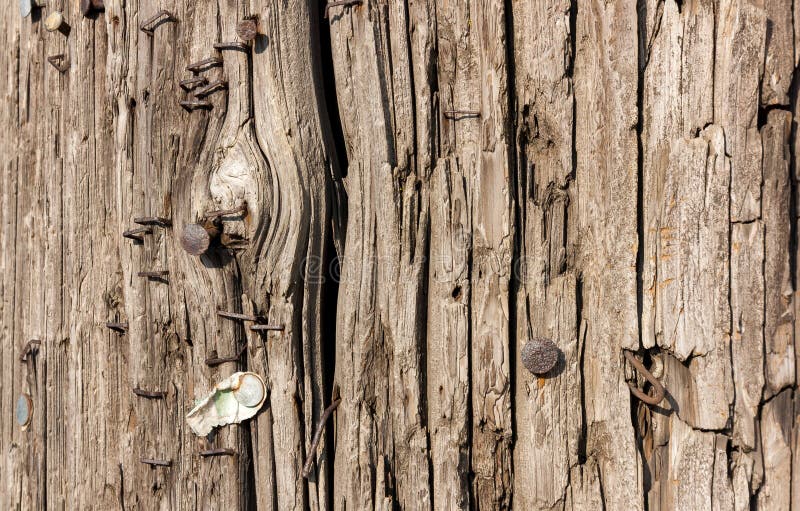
pixel 429 185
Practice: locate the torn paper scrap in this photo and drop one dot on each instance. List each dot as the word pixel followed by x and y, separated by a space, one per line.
pixel 234 399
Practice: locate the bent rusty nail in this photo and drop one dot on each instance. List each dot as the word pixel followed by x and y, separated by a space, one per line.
pixel 452 114
pixel 194 105
pixel 317 435
pixel 224 451
pixel 232 45
pixel 238 316
pixel 226 212
pixel 192 83
pixel 137 233
pixel 153 220
pixel 200 64
pixel 159 463
pixel 30 348
pixel 659 389
pixel 340 3
pixel 150 394
pixel 205 91
pixel 153 274
pixel 149 25
pixel 59 62
pixel 119 327
pixel 271 328
pixel 214 360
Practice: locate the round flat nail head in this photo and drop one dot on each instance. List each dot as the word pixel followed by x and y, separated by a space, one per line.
pixel 247 30
pixel 53 21
pixel 25 8
pixel 539 355
pixel 195 239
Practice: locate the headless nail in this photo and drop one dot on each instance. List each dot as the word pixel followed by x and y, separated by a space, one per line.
pixel 237 316
pixel 149 25
pixel 137 233
pixel 226 212
pixel 156 463
pixel 153 274
pixel 153 220
pixel 150 394
pixel 205 91
pixel 231 45
pixel 118 327
pixel 204 64
pixel 217 452
pixel 461 114
pixel 271 328
pixel 193 83
pixel 196 105
pixel 214 360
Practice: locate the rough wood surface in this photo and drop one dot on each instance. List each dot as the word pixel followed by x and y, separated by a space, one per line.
pixel 429 185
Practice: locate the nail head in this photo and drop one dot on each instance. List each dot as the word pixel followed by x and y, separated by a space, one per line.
pixel 24 410
pixel 54 21
pixel 247 30
pixel 539 355
pixel 195 239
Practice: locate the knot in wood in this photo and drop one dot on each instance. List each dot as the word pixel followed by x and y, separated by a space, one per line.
pixel 539 355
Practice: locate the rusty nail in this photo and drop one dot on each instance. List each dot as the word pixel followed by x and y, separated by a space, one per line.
pixel 659 389
pixel 205 63
pixel 118 327
pixel 317 435
pixel 55 21
pixel 237 316
pixel 158 463
pixel 196 105
pixel 247 29
pixel 192 83
pixel 342 3
pixel 87 6
pixel 149 25
pixel 30 348
pixel 153 220
pixel 205 91
pixel 214 360
pixel 137 233
pixel 153 274
pixel 231 45
pixel 539 355
pixel 150 394
pixel 217 452
pixel 226 212
pixel 273 328
pixel 59 62
pixel 452 114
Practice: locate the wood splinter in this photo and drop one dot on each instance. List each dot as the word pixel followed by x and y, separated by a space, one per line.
pixel 269 328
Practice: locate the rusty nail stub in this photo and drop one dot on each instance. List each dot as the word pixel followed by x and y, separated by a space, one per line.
pixel 247 29
pixel 55 21
pixel 87 6
pixel 118 327
pixel 217 452
pixel 238 316
pixel 200 65
pixel 196 105
pixel 657 387
pixel 30 348
pixel 539 355
pixel 24 411
pixel 205 91
pixel 153 220
pixel 157 463
pixel 271 328
pixel 149 25
pixel 150 394
pixel 340 3
pixel 214 360
pixel 137 234
pixel 231 45
pixel 193 83
pixel 453 114
pixel 153 274
pixel 226 212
